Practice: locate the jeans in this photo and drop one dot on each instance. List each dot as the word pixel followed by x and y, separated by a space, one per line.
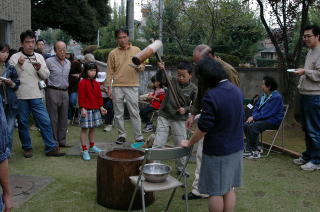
pixel 107 103
pixel 1 203
pixel 144 114
pixel 310 118
pixel 11 115
pixel 73 98
pixel 252 131
pixel 40 114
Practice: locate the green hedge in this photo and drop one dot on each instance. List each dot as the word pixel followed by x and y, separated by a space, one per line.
pixel 102 54
pixel 231 59
pixel 170 60
pixel 89 49
pixel 266 62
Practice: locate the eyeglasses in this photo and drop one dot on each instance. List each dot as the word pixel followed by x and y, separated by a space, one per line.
pixel 307 36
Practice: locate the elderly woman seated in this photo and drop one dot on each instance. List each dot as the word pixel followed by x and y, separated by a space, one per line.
pixel 267 114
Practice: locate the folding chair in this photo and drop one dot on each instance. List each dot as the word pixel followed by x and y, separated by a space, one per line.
pixel 281 127
pixel 170 183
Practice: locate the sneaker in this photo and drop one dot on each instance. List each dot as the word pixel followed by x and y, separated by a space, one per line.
pixel 310 166
pixel 148 128
pixel 246 153
pixel 141 140
pixel 299 161
pixel 260 149
pixel 253 155
pixel 95 149
pixel 108 128
pixel 27 153
pixel 121 140
pixel 85 155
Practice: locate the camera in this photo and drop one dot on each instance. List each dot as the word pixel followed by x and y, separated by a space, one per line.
pixel 42 84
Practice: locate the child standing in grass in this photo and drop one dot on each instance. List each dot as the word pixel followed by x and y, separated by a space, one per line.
pixel 175 108
pixel 91 105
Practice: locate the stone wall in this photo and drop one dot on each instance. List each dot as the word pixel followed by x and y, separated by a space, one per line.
pixel 17 13
pixel 250 78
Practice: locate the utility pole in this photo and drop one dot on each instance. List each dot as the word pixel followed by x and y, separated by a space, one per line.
pixel 130 18
pixel 160 25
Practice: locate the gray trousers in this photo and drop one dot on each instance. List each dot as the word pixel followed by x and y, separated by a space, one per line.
pixel 57 106
pixel 178 132
pixel 131 95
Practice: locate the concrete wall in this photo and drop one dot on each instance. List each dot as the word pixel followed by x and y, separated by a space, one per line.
pixel 250 78
pixel 17 13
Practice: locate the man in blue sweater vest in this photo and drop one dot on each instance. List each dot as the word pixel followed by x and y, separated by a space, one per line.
pixel 267 114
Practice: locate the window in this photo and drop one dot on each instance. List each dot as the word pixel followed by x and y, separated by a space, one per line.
pixel 5 32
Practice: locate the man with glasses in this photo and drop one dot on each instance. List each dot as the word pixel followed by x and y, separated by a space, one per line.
pixel 57 97
pixel 32 70
pixel 309 89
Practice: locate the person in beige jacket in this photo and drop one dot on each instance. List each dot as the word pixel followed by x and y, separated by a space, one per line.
pixel 123 82
pixel 32 70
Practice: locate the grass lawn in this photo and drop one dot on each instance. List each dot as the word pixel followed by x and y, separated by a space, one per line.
pixel 270 184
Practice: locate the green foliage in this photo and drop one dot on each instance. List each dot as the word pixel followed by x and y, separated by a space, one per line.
pixel 261 62
pixel 230 27
pixel 89 49
pixel 107 37
pixel 102 54
pixel 79 18
pixel 172 60
pixel 231 59
pixel 52 35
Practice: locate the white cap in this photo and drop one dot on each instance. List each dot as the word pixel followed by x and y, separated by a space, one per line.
pixel 101 76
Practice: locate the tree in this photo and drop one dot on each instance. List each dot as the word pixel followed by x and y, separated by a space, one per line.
pixel 287 16
pixel 79 18
pixel 239 33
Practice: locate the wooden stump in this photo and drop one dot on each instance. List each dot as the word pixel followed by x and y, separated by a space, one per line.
pixel 114 189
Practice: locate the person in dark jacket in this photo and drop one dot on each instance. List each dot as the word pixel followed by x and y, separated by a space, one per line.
pixel 9 83
pixel 221 125
pixel 267 114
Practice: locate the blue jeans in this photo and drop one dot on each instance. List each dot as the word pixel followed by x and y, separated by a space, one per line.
pixel 73 98
pixel 11 115
pixel 144 114
pixel 40 114
pixel 310 118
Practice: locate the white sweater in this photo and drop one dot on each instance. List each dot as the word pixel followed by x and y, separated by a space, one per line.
pixel 28 76
pixel 309 83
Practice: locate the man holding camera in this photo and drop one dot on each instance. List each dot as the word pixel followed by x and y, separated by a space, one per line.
pixel 57 98
pixel 32 70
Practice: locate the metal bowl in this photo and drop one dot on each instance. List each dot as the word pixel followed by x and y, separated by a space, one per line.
pixel 156 172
